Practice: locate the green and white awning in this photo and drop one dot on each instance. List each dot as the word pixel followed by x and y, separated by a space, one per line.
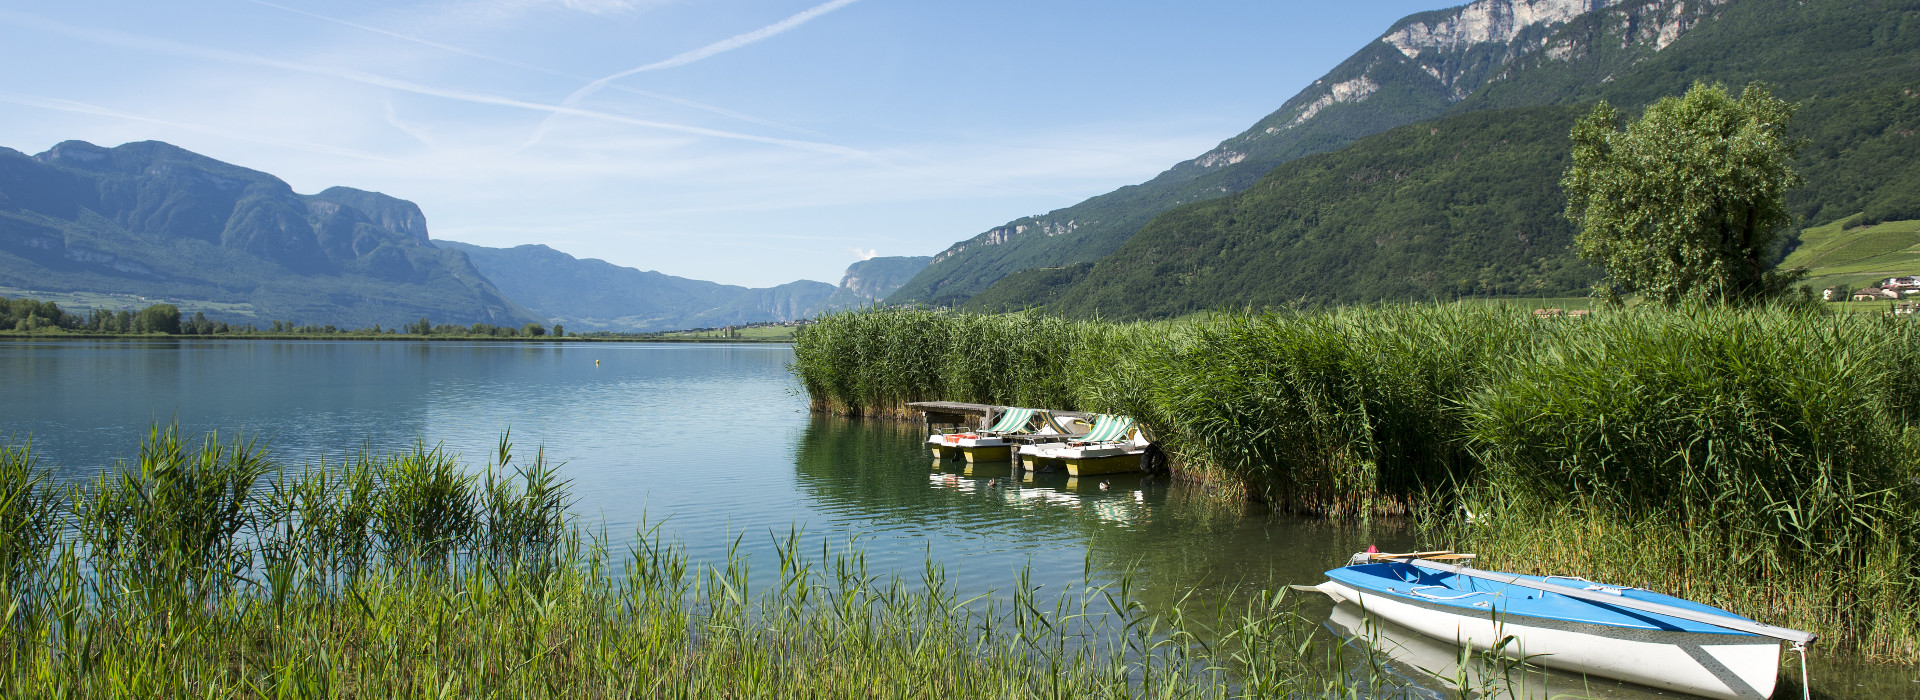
pixel 1109 428
pixel 1015 420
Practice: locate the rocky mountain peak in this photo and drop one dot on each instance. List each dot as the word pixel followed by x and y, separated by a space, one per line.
pixel 1483 22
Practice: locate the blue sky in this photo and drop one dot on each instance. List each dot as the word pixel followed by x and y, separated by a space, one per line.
pixel 743 141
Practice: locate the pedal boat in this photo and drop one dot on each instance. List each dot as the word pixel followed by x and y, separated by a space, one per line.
pixel 1571 624
pixel 995 444
pixel 1112 446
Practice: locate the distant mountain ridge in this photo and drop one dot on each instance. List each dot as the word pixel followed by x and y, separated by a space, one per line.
pixel 587 294
pixel 1418 69
pixel 156 220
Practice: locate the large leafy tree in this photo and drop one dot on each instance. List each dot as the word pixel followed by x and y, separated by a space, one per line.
pixel 1689 201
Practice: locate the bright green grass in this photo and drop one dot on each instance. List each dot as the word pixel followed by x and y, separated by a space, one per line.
pixel 1580 303
pixel 1835 255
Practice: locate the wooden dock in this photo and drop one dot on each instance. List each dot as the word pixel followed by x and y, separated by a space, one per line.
pixel 978 415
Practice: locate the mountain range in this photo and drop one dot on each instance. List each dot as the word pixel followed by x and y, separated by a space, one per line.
pixel 155 221
pixel 1427 164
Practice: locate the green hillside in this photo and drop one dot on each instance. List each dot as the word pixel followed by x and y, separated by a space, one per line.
pixel 1469 204
pixel 1457 207
pixel 1028 288
pixel 1836 255
pixel 1416 70
pixel 155 221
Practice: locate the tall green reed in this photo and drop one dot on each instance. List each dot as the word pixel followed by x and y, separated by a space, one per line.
pixel 524 516
pixel 1764 456
pixel 875 362
pixel 30 522
pixel 482 622
pixel 426 507
pixel 168 525
pixel 1343 412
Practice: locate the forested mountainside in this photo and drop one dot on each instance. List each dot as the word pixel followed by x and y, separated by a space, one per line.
pixel 1418 69
pixel 1469 203
pixel 153 220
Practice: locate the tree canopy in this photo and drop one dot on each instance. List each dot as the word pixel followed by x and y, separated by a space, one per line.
pixel 1689 201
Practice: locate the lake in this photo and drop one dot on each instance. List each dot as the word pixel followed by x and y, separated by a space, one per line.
pixel 711 443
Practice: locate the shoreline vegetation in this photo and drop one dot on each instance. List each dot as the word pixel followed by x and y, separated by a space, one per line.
pixel 1765 460
pixel 209 570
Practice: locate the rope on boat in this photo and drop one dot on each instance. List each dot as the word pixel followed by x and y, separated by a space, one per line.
pixel 1417 591
pixel 1806 684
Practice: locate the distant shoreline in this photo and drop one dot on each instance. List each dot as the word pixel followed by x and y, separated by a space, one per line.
pixel 17 335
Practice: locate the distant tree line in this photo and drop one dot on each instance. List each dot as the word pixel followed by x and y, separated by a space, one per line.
pixel 28 315
pixel 531 330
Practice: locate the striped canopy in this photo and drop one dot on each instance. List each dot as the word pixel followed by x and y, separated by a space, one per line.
pixel 1108 428
pixel 1015 420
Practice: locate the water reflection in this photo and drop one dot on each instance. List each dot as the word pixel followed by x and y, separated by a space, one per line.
pixel 1171 537
pixel 1391 656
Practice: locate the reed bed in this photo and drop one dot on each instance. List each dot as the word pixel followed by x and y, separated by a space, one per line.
pixel 207 570
pixel 874 363
pixel 1763 459
pixel 1766 458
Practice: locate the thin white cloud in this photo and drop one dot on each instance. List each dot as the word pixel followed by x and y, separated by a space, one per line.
pixel 867 254
pixel 72 107
pixel 134 41
pixel 599 7
pixel 713 49
pixel 449 48
pixel 719 47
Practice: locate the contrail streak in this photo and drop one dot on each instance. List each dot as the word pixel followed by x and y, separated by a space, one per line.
pixel 682 59
pixel 722 111
pixel 161 45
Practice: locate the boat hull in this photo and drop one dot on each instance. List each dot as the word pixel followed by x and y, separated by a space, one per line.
pixel 1036 463
pixel 1730 666
pixel 988 453
pixel 1082 460
pixel 1092 466
pixel 971 447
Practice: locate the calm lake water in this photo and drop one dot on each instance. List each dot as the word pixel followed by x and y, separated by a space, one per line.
pixel 711 443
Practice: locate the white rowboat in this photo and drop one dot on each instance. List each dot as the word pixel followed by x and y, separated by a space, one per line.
pixel 1574 625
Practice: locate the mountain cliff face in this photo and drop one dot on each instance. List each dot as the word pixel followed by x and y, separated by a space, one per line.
pixel 875 278
pixel 595 295
pixel 156 220
pixel 1419 69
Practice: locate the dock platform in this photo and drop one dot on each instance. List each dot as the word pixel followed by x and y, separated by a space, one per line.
pixel 977 415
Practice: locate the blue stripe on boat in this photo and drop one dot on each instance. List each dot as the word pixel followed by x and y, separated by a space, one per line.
pixel 1464 592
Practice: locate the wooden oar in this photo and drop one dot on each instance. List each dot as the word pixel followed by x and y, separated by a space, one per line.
pixel 1446 554
pixel 1796 636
